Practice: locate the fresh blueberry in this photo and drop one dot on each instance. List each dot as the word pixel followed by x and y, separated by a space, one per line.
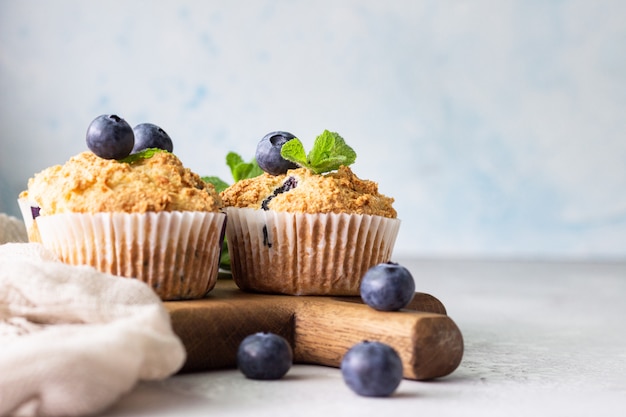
pixel 264 355
pixel 387 287
pixel 268 153
pixel 372 369
pixel 148 135
pixel 110 137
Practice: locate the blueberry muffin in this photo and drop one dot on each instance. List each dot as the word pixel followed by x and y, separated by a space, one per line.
pixel 301 231
pixel 143 216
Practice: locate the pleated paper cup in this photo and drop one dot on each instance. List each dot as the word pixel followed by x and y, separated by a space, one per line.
pixel 29 211
pixel 306 254
pixel 176 253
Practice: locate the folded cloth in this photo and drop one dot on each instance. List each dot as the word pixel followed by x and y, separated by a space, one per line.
pixel 12 229
pixel 73 339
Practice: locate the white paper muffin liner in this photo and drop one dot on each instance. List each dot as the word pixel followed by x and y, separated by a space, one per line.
pixel 176 253
pixel 26 208
pixel 306 254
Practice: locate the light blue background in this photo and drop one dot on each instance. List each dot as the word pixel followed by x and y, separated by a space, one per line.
pixel 498 126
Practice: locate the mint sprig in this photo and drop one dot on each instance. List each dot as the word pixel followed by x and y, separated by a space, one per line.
pixel 329 152
pixel 239 169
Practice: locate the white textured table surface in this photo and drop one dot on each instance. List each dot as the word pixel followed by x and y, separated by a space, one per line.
pixel 541 339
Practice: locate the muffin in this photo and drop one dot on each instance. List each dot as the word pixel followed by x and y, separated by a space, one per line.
pixel 146 217
pixel 307 233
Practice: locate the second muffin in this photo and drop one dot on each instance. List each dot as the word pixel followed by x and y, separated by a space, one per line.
pixel 304 233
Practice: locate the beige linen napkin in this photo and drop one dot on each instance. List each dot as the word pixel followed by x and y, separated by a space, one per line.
pixel 12 229
pixel 72 339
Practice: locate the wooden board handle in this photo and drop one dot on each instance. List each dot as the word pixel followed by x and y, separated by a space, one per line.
pixel 430 345
pixel 320 329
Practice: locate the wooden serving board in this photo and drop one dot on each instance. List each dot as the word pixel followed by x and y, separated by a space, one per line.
pixel 320 329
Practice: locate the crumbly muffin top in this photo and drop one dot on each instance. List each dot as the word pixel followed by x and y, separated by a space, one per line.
pixel 300 191
pixel 87 183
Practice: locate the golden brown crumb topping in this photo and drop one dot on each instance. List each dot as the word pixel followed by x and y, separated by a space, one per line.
pixel 300 191
pixel 87 183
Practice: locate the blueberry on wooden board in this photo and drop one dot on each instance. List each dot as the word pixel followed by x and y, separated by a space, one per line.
pixel 110 137
pixel 372 369
pixel 264 355
pixel 387 287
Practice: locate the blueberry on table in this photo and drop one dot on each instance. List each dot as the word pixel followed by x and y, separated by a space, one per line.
pixel 387 287
pixel 264 355
pixel 110 137
pixel 268 153
pixel 148 135
pixel 372 369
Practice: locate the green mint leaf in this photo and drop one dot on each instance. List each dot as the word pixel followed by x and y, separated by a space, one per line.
pixel 329 152
pixel 233 159
pixel 293 151
pixel 217 182
pixel 343 149
pixel 330 164
pixel 323 148
pixel 255 171
pixel 240 169
pixel 143 154
pixel 225 256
